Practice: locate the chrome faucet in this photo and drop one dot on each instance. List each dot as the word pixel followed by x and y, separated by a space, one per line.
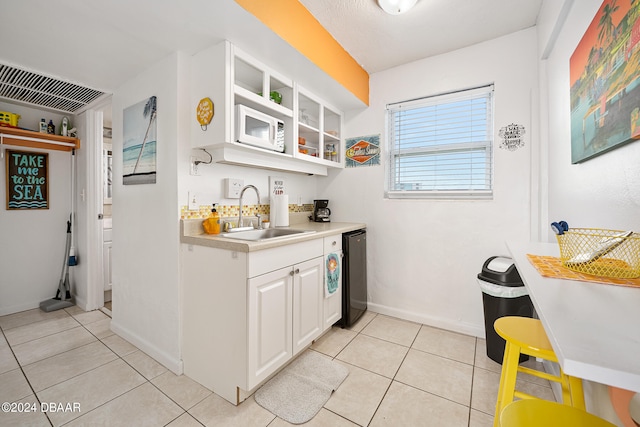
pixel 240 206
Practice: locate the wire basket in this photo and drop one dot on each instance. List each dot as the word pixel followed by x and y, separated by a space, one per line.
pixel 605 253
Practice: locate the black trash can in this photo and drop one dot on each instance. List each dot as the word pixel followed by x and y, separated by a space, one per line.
pixel 503 294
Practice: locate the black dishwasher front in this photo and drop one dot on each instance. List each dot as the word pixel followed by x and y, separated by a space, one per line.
pixel 354 277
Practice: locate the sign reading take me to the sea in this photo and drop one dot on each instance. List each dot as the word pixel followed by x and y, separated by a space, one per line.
pixel 27 180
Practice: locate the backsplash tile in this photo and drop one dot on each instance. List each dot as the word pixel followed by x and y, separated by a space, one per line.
pixel 232 210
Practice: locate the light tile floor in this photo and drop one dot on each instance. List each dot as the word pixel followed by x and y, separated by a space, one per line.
pixel 401 374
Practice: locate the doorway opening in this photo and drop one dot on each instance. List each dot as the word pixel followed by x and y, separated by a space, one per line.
pixel 106 168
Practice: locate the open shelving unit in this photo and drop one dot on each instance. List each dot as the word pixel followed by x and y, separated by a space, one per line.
pixel 31 139
pixel 230 76
pixel 319 128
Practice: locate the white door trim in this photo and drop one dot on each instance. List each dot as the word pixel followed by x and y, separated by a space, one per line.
pixel 94 200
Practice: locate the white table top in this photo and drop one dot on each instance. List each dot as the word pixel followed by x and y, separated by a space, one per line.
pixel 593 328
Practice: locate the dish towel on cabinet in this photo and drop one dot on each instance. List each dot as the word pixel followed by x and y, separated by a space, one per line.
pixel 332 274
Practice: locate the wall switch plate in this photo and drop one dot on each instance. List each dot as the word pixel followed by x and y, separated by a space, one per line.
pixel 233 187
pixel 193 202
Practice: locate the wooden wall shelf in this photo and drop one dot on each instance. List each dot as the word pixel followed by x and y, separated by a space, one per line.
pixel 27 138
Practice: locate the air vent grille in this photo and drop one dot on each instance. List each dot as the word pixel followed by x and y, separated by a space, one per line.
pixel 43 91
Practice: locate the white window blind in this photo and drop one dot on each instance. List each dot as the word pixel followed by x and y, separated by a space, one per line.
pixel 441 146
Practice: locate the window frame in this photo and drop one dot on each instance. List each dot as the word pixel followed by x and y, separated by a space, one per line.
pixel 487 146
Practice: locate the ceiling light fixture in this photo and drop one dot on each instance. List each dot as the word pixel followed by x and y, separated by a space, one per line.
pixel 396 7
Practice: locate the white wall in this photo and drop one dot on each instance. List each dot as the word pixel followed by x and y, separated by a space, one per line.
pixel 146 269
pixel 424 255
pixel 33 241
pixel 603 192
pixel 146 277
pixel 209 186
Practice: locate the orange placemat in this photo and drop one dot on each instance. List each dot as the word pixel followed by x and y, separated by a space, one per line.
pixel 549 266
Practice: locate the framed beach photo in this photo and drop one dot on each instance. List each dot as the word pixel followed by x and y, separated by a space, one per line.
pixel 605 82
pixel 139 143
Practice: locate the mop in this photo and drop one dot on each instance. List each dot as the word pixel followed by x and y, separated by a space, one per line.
pixel 63 296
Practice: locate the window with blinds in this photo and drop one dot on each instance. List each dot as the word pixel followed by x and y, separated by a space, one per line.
pixel 441 146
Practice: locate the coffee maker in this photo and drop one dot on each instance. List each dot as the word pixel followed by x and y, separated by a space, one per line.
pixel 320 211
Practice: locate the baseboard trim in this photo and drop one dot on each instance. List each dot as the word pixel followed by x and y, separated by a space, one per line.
pixel 20 307
pixel 174 365
pixel 80 302
pixel 36 304
pixel 436 322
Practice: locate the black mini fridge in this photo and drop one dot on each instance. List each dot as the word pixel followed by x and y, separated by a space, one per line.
pixel 354 276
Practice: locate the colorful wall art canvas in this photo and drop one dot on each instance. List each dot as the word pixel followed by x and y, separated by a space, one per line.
pixel 362 151
pixel 139 143
pixel 605 81
pixel 27 180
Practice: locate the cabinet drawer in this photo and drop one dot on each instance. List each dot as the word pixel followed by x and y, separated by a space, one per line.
pixel 332 243
pixel 261 262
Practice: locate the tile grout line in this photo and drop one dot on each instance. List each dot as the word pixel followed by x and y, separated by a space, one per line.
pixel 100 340
pixel 473 375
pixel 20 366
pixel 473 366
pixel 147 380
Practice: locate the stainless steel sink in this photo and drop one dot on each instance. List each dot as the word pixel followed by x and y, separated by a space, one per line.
pixel 268 234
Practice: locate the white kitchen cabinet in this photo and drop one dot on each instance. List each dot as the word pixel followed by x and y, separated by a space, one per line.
pixel 229 76
pixel 307 303
pixel 246 314
pixel 332 304
pixel 319 130
pixel 270 323
pixel 284 316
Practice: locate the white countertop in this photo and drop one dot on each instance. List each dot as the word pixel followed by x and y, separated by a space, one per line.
pixel 191 232
pixel 594 328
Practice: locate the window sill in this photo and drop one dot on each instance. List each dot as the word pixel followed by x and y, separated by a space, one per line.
pixel 439 195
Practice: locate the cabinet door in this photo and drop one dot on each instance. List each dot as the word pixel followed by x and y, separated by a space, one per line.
pixel 307 302
pixel 333 301
pixel 269 327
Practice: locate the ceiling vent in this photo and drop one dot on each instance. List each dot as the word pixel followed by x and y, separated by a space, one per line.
pixel 43 91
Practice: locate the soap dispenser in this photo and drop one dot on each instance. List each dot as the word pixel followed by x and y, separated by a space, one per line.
pixel 212 224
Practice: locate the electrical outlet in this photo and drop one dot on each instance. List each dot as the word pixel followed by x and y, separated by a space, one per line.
pixel 193 166
pixel 232 188
pixel 193 202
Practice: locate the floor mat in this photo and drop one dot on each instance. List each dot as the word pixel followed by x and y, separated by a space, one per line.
pixel 298 392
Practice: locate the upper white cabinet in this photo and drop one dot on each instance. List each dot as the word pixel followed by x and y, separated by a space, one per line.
pixel 229 76
pixel 256 86
pixel 319 130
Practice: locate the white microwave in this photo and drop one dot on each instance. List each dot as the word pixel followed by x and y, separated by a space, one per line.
pixel 259 129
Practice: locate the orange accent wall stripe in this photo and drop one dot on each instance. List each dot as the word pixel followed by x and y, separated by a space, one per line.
pixel 298 27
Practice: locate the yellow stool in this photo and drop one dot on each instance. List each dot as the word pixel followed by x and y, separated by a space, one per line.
pixel 524 335
pixel 536 413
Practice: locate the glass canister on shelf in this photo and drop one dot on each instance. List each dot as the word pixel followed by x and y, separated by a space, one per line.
pixel 328 149
pixel 330 152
